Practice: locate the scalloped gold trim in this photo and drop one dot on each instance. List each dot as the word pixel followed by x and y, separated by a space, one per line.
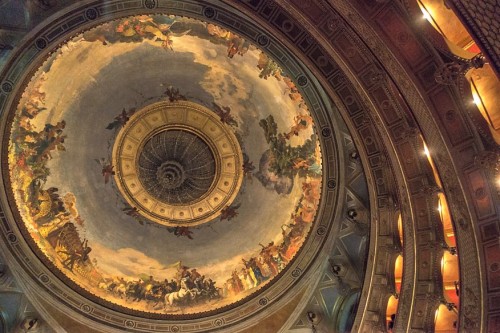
pixel 198 120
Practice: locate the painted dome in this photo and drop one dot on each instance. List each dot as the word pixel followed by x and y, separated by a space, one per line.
pixel 164 165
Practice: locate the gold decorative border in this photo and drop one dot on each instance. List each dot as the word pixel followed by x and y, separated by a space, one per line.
pixel 198 120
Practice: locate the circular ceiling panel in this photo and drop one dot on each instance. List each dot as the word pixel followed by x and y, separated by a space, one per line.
pixel 164 165
pixel 177 163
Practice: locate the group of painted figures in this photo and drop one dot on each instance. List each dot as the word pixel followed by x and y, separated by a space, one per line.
pixel 34 148
pixel 163 29
pixel 273 258
pixel 187 288
pixel 53 215
pixel 267 264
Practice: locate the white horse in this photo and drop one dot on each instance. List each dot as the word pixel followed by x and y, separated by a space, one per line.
pixel 176 296
pixel 179 295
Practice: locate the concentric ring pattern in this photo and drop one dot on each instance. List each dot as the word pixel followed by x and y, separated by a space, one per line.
pixel 176 166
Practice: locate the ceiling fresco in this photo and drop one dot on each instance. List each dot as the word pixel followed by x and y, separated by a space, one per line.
pixel 164 165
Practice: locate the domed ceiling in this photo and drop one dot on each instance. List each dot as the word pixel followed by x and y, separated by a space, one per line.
pixel 179 166
pixel 164 165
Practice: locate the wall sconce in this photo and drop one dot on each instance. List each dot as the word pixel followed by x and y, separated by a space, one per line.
pixel 351 213
pixel 335 267
pixel 354 155
pixel 451 249
pixel 449 305
pixel 313 319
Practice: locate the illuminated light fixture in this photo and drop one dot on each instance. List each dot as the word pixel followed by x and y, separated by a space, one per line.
pixel 476 99
pixel 426 15
pixel 440 209
pixel 426 151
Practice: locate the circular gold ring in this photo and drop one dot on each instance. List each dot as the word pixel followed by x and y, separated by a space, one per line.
pixel 200 124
